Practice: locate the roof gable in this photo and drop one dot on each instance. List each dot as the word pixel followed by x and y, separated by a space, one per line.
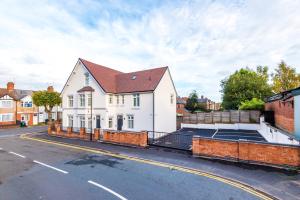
pixel 113 81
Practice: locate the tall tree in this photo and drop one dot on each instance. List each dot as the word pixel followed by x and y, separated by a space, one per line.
pixel 243 85
pixel 285 78
pixel 47 99
pixel 192 102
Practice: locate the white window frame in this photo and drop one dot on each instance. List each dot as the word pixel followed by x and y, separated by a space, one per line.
pixel 130 121
pixel 70 121
pixel 123 99
pixel 71 101
pixel 118 99
pixel 89 96
pixel 136 100
pixel 172 98
pixel 110 99
pixel 3 102
pixel 82 121
pixel 7 117
pixel 87 79
pixel 110 122
pixel 82 100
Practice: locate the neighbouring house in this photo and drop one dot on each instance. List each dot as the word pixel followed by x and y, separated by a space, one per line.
pixel 286 108
pixel 16 106
pixel 180 106
pixel 209 104
pixel 95 96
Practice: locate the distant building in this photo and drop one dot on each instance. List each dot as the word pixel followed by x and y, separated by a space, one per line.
pixel 180 106
pixel 209 104
pixel 286 107
pixel 16 106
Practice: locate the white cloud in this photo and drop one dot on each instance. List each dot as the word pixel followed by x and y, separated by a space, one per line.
pixel 202 42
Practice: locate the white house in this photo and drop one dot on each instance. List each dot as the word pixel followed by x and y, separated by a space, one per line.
pixel 95 96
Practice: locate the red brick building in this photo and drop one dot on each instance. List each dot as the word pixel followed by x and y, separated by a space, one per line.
pixel 286 107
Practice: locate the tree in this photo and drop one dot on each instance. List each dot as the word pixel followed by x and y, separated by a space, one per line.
pixel 285 78
pixel 47 99
pixel 243 85
pixel 192 102
pixel 253 104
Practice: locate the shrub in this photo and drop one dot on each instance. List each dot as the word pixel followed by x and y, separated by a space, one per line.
pixel 253 104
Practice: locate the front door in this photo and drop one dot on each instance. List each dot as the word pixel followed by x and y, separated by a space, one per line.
pixel 120 122
pixel 98 124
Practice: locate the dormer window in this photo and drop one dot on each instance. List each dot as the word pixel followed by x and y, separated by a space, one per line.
pixel 87 78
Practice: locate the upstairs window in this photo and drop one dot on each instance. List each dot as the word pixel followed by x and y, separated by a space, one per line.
pixel 26 104
pixel 136 100
pixel 172 98
pixel 110 100
pixel 123 99
pixel 5 104
pixel 118 99
pixel 71 101
pixel 87 78
pixel 89 99
pixel 82 100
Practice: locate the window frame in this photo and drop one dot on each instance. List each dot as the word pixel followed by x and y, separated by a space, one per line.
pixel 110 122
pixel 82 121
pixel 71 101
pixel 136 100
pixel 130 121
pixel 82 100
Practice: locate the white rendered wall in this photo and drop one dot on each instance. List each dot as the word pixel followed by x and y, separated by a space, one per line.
pixel 165 112
pixel 142 114
pixel 75 83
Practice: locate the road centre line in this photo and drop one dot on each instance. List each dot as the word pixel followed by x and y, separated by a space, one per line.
pixel 11 152
pixel 51 167
pixel 107 189
pixel 231 182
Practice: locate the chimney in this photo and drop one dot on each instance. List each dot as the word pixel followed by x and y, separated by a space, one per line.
pixel 10 86
pixel 202 97
pixel 50 89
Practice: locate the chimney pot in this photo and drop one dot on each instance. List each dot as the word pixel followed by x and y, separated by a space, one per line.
pixel 50 89
pixel 10 86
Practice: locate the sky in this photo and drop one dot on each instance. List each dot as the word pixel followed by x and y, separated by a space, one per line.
pixel 202 41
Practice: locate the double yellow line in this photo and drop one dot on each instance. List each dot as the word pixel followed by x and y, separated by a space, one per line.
pixel 234 183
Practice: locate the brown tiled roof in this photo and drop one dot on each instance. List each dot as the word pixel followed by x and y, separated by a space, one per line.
pixel 113 81
pixel 86 89
pixel 16 94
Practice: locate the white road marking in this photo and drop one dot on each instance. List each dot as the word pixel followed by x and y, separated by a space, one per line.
pixel 11 152
pixel 45 165
pixel 107 189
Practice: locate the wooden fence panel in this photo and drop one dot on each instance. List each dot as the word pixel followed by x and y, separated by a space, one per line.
pixel 234 116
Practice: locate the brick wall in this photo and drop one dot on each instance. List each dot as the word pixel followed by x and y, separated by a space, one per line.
pixel 261 153
pixel 128 138
pixel 284 114
pixel 124 137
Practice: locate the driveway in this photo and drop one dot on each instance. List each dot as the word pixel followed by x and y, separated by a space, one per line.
pixel 32 170
pixel 182 139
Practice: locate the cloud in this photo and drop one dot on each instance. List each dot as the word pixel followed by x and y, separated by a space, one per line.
pixel 201 41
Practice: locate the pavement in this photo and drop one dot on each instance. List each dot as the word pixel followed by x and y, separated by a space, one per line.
pixel 44 167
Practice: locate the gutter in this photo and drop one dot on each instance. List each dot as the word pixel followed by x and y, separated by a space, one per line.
pixel 153 112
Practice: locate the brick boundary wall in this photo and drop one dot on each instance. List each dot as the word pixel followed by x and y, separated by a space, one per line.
pixel 245 151
pixel 124 137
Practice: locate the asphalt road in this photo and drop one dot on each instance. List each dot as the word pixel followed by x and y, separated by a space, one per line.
pixel 32 170
pixel 18 131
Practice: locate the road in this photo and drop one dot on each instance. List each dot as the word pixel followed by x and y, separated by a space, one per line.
pixel 32 170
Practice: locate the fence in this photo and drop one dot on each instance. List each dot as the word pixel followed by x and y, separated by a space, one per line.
pixel 233 116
